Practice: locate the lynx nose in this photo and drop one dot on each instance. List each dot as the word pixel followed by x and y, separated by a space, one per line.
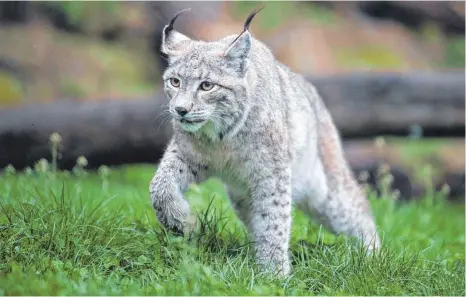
pixel 181 110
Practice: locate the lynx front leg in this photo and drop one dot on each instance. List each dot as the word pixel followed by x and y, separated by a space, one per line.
pixel 271 220
pixel 166 191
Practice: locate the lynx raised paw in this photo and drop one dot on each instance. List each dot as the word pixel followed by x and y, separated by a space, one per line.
pixel 175 216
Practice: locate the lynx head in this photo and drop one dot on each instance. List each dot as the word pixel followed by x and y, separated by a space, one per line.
pixel 206 82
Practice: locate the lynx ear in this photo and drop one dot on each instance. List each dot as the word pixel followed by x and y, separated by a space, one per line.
pixel 240 48
pixel 173 42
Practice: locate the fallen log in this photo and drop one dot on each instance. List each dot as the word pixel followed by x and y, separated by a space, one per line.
pixel 449 16
pixel 130 131
pixel 105 132
pixel 365 104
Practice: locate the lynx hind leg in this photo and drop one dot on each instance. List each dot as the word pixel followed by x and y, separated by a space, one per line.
pixel 345 208
pixel 346 211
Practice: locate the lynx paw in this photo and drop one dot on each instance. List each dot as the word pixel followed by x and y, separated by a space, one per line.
pixel 175 216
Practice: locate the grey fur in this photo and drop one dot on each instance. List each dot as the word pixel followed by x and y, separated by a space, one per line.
pixel 266 132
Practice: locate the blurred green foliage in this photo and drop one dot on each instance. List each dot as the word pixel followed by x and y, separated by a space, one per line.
pixel 126 66
pixel 418 153
pixel 274 14
pixel 277 13
pixel 78 11
pixel 318 13
pixel 455 53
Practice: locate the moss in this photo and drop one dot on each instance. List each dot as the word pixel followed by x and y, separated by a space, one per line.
pixel 11 90
pixel 374 56
pixel 71 89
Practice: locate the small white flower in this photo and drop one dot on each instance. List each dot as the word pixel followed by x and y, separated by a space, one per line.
pixel 380 142
pixel 42 165
pixel 364 176
pixel 82 161
pixel 445 189
pixel 103 170
pixel 10 170
pixel 55 138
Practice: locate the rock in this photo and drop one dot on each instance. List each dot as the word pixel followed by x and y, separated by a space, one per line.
pixel 455 182
pixel 370 175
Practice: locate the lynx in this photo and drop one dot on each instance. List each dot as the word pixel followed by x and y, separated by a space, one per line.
pixel 240 115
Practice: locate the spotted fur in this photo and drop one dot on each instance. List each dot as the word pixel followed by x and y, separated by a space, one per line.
pixel 266 132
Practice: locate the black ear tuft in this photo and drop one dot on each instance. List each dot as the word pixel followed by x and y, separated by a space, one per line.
pixel 248 22
pixel 172 21
pixel 251 16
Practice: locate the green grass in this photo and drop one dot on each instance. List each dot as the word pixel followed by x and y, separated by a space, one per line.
pixel 62 234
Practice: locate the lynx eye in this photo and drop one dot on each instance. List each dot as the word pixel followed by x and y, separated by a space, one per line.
pixel 206 86
pixel 175 82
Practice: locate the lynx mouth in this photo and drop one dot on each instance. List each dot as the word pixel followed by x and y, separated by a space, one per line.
pixel 192 125
pixel 184 121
